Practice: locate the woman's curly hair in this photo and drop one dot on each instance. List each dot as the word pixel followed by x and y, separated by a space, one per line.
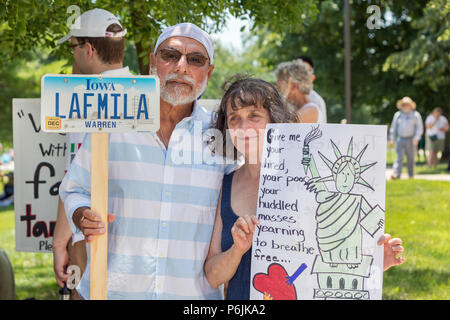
pixel 242 91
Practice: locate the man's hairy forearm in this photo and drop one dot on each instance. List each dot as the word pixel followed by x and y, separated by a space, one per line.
pixel 62 232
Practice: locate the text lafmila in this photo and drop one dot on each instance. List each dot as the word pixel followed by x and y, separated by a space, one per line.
pixel 109 105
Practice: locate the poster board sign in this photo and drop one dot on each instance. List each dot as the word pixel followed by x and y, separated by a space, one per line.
pixel 40 160
pixel 96 103
pixel 321 205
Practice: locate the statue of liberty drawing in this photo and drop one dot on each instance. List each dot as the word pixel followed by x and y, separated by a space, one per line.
pixel 341 215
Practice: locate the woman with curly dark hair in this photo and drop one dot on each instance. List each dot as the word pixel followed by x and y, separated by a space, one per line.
pixel 246 108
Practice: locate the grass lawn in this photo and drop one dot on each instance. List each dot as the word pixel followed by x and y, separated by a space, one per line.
pixel 33 272
pixel 417 211
pixel 421 163
pixel 424 169
pixel 391 155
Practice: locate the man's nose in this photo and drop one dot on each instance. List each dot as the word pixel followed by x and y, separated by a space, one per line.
pixel 182 65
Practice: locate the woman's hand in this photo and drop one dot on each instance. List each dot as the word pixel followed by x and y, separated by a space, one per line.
pixel 60 262
pixel 392 249
pixel 242 232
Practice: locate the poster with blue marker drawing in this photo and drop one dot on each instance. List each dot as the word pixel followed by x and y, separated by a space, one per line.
pixel 321 208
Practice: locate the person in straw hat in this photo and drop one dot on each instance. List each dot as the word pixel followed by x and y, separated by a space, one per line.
pixel 406 130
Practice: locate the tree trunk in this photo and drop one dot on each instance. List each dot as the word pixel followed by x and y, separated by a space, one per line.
pixel 143 67
pixel 138 23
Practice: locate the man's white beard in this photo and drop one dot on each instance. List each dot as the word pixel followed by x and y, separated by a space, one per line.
pixel 177 95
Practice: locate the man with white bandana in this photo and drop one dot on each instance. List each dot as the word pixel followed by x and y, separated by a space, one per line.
pixel 162 208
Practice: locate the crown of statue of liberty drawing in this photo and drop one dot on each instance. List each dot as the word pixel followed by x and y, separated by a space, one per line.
pixel 347 160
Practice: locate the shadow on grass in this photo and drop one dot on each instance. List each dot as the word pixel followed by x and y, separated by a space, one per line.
pixel 38 283
pixel 438 170
pixel 8 208
pixel 416 284
pixel 46 291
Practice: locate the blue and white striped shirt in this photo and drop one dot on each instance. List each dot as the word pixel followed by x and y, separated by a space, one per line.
pixel 165 202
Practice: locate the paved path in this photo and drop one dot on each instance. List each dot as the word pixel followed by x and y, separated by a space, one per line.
pixel 436 177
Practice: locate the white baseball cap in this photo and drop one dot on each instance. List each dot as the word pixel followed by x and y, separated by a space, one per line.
pixel 188 30
pixel 93 24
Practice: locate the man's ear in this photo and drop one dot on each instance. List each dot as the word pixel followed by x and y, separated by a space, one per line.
pixel 152 62
pixel 90 50
pixel 210 71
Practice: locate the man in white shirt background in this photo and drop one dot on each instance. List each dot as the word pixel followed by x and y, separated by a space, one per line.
pixel 436 127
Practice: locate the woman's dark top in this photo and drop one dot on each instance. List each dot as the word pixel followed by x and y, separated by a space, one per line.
pixel 239 285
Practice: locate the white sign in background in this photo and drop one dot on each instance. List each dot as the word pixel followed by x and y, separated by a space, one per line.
pixel 39 164
pixel 318 239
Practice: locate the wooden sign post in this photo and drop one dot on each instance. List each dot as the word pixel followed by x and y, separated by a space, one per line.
pixel 100 105
pixel 99 204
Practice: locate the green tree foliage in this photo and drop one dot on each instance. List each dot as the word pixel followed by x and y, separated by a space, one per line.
pixel 11 87
pixel 30 27
pixel 227 64
pixel 21 79
pixel 26 24
pixel 375 89
pixel 427 59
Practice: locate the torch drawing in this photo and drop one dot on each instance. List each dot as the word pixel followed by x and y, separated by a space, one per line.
pixel 314 134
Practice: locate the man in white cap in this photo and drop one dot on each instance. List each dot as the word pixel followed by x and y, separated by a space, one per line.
pixel 163 208
pixel 97 42
pixel 406 130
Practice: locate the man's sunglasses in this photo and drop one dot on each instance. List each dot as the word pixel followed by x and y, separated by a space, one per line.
pixel 173 56
pixel 72 46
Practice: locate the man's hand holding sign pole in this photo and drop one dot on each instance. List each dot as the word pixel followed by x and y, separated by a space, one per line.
pixel 100 105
